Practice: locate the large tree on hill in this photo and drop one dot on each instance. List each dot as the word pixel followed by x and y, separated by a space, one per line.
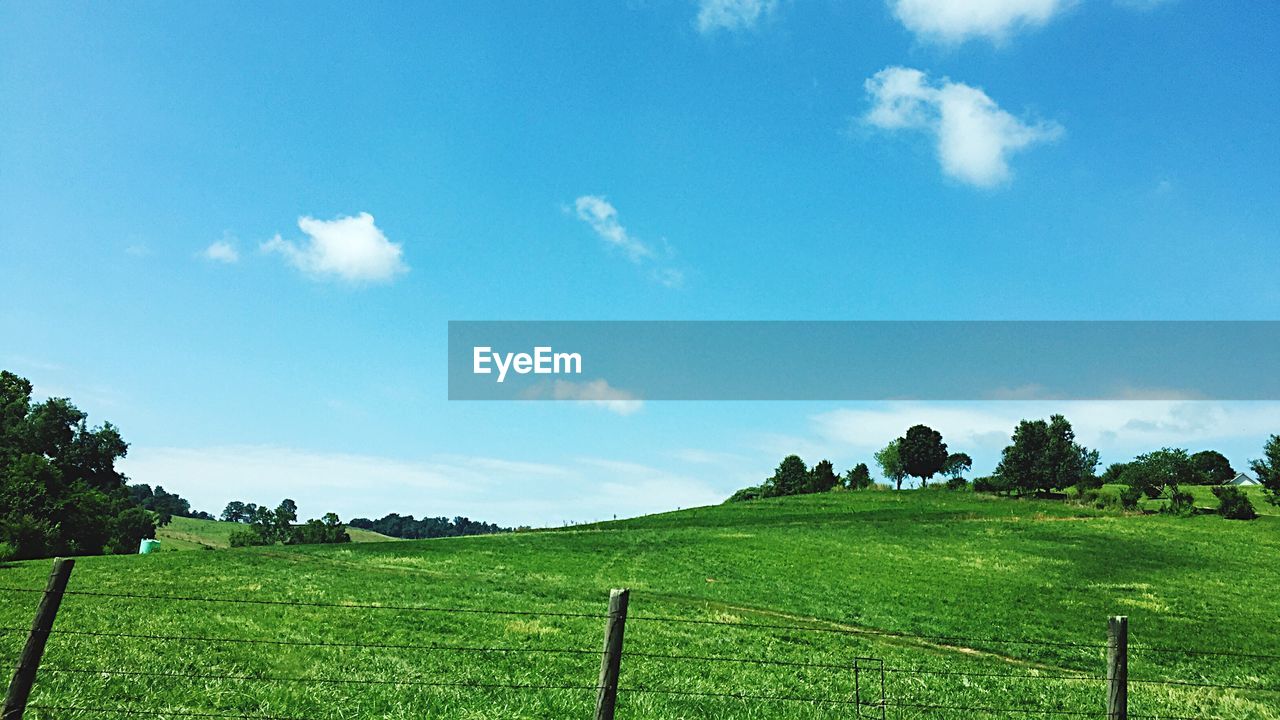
pixel 889 458
pixel 791 478
pixel 60 492
pixel 922 452
pixel 859 478
pixel 1045 456
pixel 1268 469
pixel 1214 467
pixel 823 477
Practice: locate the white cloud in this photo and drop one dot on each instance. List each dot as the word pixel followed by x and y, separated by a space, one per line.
pixel 597 392
pixel 954 21
pixel 348 248
pixel 974 136
pixel 509 492
pixel 602 216
pixel 732 15
pixel 221 251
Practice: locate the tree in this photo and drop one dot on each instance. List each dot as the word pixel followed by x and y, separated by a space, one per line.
pixel 859 478
pixel 1233 504
pixel 1045 456
pixel 60 492
pixel 1213 467
pixel 823 477
pixel 791 478
pixel 1162 472
pixel 890 461
pixel 1268 469
pixel 957 465
pixel 746 493
pixel 922 452
pixel 235 511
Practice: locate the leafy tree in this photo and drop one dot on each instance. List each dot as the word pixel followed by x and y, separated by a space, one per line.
pixel 405 526
pixel 60 492
pixel 746 493
pixel 957 465
pixel 889 458
pixel 922 452
pixel 1114 473
pixel 859 478
pixel 1045 456
pixel 1213 467
pixel 791 478
pixel 1161 472
pixel 823 477
pixel 328 529
pixel 1268 469
pixel 1233 504
pixel 235 511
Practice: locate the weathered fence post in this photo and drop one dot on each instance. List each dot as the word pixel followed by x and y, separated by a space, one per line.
pixel 607 688
pixel 15 702
pixel 1118 668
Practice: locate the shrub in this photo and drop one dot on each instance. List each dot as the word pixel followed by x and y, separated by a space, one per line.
pixel 957 483
pixel 7 551
pixel 1181 502
pixel 1129 497
pixel 747 493
pixel 1233 504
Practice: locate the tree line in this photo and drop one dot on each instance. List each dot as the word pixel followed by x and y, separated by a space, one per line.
pixel 1042 459
pixel 164 504
pixel 269 527
pixel 405 526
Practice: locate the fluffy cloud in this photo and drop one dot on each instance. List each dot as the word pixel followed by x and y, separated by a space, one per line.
pixel 221 251
pixel 732 14
pixel 602 216
pixel 370 486
pixel 347 248
pixel 974 136
pixel 597 392
pixel 954 21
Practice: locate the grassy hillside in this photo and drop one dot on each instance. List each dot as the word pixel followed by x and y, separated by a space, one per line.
pixel 190 534
pixel 969 601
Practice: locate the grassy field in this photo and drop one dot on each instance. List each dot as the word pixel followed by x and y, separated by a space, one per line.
pixel 190 534
pixel 969 602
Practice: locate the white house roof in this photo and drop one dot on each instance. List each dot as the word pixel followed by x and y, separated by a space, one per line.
pixel 1242 479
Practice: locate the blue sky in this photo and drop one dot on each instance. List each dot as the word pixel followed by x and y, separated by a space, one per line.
pixel 735 159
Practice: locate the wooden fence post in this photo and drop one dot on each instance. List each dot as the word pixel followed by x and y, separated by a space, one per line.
pixel 1118 668
pixel 15 702
pixel 607 687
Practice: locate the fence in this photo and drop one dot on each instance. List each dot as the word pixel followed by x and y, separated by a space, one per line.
pixel 865 691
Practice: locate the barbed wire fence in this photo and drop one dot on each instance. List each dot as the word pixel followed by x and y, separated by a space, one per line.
pixel 865 696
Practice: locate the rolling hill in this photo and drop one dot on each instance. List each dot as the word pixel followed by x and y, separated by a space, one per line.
pixel 191 534
pixel 972 606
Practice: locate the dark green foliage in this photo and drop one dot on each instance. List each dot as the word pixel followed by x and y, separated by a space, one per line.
pixel 746 493
pixel 1161 472
pixel 822 478
pixel 1044 456
pixel 1181 502
pixel 1214 468
pixel 922 452
pixel 957 483
pixel 1268 470
pixel 1114 473
pixel 60 493
pixel 1129 498
pixel 889 458
pixel 269 527
pixel 164 504
pixel 957 464
pixel 1233 504
pixel 326 530
pixel 991 484
pixel 405 526
pixel 791 478
pixel 859 478
pixel 237 511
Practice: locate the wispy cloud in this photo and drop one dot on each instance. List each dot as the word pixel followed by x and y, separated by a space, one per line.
pixel 346 248
pixel 732 15
pixel 222 251
pixel 600 214
pixel 954 21
pixel 974 136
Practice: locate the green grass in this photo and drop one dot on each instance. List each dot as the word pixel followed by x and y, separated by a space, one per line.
pixel 975 569
pixel 1204 498
pixel 191 534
